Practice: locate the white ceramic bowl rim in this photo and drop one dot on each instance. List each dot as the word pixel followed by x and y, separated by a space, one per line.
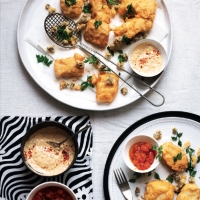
pixel 49 184
pixel 127 146
pixel 158 46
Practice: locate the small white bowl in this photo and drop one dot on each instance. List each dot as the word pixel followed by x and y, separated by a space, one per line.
pixel 50 184
pixel 127 146
pixel 158 46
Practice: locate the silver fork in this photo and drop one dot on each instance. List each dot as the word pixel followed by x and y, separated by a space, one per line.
pixel 123 183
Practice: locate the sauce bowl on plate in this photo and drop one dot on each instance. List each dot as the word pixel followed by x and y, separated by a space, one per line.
pixel 140 153
pixel 147 58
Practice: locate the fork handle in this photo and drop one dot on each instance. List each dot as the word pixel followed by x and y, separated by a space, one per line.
pixel 105 61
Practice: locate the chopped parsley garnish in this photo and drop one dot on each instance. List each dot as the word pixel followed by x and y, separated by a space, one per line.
pixel 159 156
pixel 130 12
pixel 111 2
pixel 87 83
pixel 170 179
pixel 70 2
pixel 156 176
pixel 198 159
pixel 110 51
pixel 177 157
pixel 119 74
pixel 178 136
pixel 190 168
pixel 87 8
pixel 154 147
pixel 91 60
pixel 136 175
pixel 122 57
pixel 97 23
pixel 44 60
pixel 126 40
pixel 62 34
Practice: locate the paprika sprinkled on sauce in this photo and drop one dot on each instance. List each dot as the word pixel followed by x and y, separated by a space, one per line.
pixel 142 155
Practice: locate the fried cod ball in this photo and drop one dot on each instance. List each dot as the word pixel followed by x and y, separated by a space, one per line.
pixel 106 87
pixel 97 35
pixel 170 151
pixel 73 10
pixel 68 67
pixel 189 192
pixel 159 190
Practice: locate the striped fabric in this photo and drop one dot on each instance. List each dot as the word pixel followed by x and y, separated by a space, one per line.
pixel 17 180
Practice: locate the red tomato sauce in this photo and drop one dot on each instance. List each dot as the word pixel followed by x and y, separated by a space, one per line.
pixel 52 193
pixel 142 155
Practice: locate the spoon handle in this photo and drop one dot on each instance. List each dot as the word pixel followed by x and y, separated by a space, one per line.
pixel 73 135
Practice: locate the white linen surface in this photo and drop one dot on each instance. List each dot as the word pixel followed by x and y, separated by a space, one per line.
pixel 20 95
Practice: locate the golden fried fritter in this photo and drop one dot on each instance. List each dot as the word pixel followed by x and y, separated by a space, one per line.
pixel 159 190
pixel 68 67
pixel 106 87
pixel 98 36
pixel 101 11
pixel 73 10
pixel 189 192
pixel 145 9
pixel 133 26
pixel 170 151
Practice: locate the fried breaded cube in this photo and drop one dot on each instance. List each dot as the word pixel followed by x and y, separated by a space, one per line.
pixel 159 190
pixel 100 10
pixel 68 67
pixel 189 192
pixel 106 87
pixel 73 10
pixel 98 36
pixel 170 151
pixel 145 9
pixel 133 26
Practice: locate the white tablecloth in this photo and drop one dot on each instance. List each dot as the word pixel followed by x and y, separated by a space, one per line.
pixel 180 84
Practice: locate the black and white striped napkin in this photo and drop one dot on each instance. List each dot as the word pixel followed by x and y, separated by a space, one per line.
pixel 17 180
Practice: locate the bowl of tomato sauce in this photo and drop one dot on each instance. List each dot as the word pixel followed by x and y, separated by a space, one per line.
pixel 51 190
pixel 140 153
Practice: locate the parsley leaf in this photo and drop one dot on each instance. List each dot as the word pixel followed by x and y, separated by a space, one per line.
pixel 177 157
pixel 174 138
pixel 154 147
pixel 87 8
pixel 121 58
pixel 130 12
pixel 91 60
pixel 70 2
pixel 193 173
pixel 110 51
pixel 62 34
pixel 126 40
pixel 170 179
pixel 159 156
pixel 179 143
pixel 198 159
pixel 136 175
pixel 97 23
pixel 111 2
pixel 86 84
pixel 44 60
pixel 156 176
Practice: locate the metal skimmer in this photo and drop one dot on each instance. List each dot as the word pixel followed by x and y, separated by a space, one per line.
pixel 57 18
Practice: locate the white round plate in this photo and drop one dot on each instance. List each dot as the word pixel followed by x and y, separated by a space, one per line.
pixel 186 123
pixel 45 78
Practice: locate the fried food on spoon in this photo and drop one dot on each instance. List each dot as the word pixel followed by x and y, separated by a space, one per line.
pixel 97 35
pixel 170 151
pixel 133 26
pixel 100 10
pixel 159 190
pixel 145 9
pixel 68 67
pixel 106 87
pixel 189 192
pixel 73 10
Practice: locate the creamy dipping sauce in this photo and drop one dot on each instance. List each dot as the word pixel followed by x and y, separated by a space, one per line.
pixel 46 159
pixel 146 59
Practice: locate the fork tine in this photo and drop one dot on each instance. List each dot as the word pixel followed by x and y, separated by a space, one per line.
pixel 116 176
pixel 123 175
